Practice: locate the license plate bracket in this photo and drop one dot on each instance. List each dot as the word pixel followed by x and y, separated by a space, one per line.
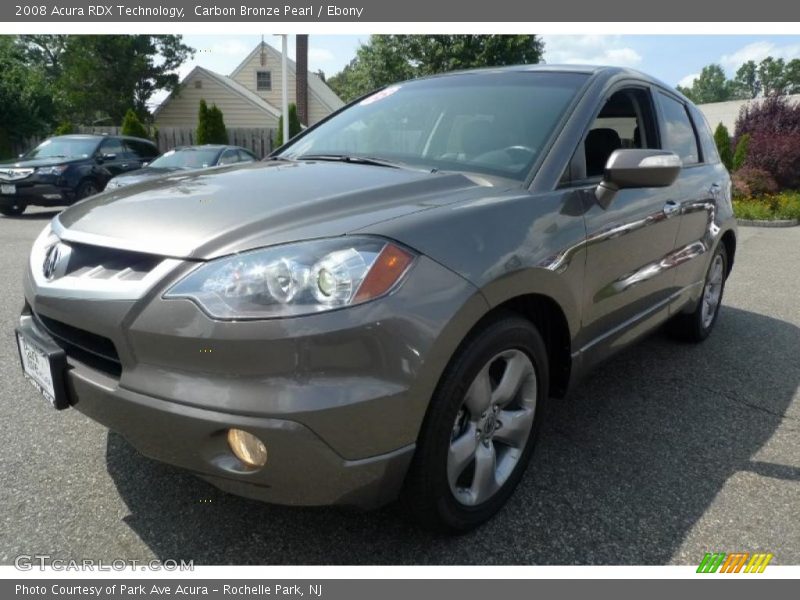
pixel 8 189
pixel 44 365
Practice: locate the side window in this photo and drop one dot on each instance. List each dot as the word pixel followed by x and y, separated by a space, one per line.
pixel 625 121
pixel 112 146
pixel 141 150
pixel 707 144
pixel 678 133
pixel 228 157
pixel 245 156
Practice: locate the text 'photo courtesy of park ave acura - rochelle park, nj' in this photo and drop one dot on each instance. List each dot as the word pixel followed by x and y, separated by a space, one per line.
pixel 351 298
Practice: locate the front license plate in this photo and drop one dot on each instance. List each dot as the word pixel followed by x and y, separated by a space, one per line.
pixel 8 189
pixel 44 369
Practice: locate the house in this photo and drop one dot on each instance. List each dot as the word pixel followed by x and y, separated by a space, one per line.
pixel 249 97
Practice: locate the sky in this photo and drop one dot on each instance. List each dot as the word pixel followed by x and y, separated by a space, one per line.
pixel 675 59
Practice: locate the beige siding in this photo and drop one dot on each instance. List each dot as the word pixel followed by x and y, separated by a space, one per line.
pixel 247 77
pixel 238 112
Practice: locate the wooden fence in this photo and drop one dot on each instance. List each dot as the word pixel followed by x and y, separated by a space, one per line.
pixel 259 140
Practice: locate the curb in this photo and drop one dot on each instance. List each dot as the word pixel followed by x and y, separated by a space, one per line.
pixel 776 223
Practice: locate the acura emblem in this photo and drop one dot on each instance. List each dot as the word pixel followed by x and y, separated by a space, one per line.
pixel 55 260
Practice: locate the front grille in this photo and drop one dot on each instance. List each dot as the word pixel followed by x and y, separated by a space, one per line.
pixel 95 262
pixel 93 350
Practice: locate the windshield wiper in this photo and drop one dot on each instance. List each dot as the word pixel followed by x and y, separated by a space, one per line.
pixel 361 160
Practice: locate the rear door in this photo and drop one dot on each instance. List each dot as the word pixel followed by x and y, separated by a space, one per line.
pixel 628 281
pixel 704 182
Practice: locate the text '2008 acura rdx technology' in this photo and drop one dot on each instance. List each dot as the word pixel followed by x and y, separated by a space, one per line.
pixel 381 308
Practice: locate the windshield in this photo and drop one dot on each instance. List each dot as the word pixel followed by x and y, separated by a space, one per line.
pixel 491 122
pixel 186 158
pixel 64 148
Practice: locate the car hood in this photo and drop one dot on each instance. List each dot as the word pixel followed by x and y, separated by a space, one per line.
pixel 30 163
pixel 143 174
pixel 205 214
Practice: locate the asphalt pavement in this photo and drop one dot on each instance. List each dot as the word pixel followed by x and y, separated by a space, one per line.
pixel 668 451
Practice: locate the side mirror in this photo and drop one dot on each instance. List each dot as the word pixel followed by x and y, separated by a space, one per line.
pixel 637 169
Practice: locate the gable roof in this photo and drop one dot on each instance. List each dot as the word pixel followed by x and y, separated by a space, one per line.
pixel 324 94
pixel 234 86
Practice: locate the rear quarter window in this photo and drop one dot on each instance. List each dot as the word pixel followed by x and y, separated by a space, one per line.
pixel 678 134
pixel 709 147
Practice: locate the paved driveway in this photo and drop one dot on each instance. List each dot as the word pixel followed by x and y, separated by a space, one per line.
pixel 666 452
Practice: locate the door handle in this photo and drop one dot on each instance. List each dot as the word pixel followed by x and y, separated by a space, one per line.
pixel 671 207
pixel 124 165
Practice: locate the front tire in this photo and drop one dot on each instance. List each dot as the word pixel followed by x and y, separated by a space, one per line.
pixel 697 326
pixel 481 427
pixel 13 209
pixel 87 188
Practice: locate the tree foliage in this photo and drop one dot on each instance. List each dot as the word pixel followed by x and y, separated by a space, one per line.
pixel 295 126
pixel 131 125
pixel 710 86
pixel 99 77
pixel 211 125
pixel 386 59
pixel 722 138
pixel 770 77
pixel 26 105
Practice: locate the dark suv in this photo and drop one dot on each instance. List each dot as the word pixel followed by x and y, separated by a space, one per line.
pixel 67 168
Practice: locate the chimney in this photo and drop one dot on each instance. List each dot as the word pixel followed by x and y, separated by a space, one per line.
pixel 301 77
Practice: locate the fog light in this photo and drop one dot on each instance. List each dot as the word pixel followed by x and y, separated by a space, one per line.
pixel 247 448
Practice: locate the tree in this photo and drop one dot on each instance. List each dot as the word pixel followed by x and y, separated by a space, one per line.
pixel 201 134
pixel 723 141
pixel 771 76
pixel 26 103
pixel 294 125
pixel 386 59
pixel 746 82
pixel 218 133
pixel 131 125
pixel 710 86
pixel 102 76
pixel 791 75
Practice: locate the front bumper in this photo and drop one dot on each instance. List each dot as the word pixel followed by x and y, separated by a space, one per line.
pixel 337 398
pixel 40 194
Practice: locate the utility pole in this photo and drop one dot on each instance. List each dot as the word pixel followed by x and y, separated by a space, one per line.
pixel 284 86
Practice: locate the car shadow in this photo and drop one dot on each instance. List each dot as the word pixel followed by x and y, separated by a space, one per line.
pixel 625 467
pixel 33 216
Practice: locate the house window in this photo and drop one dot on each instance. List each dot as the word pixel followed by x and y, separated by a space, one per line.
pixel 263 80
pixel 198 84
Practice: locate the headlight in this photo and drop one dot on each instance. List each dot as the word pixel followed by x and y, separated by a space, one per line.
pixel 57 170
pixel 296 279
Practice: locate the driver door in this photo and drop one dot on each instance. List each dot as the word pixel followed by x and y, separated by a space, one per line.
pixel 629 278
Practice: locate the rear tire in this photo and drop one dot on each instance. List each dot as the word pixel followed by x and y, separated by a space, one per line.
pixel 481 427
pixel 696 326
pixel 13 208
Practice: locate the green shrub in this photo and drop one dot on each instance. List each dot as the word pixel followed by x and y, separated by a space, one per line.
pixel 131 125
pixel 217 132
pixel 211 125
pixel 723 141
pixel 294 125
pixel 65 128
pixel 740 154
pixel 785 205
